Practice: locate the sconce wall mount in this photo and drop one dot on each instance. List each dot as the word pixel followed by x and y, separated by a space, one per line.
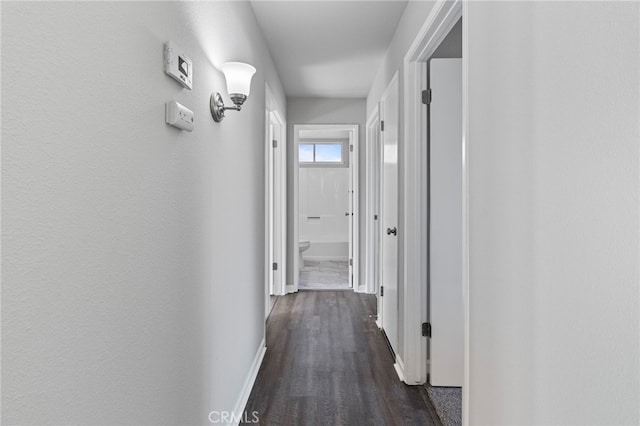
pixel 238 76
pixel 218 108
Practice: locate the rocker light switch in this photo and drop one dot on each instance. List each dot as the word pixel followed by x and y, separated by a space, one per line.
pixel 178 116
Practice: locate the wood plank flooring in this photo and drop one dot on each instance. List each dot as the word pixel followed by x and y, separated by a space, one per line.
pixel 327 363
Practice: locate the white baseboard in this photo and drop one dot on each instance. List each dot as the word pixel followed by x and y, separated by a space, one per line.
pixel 289 288
pixel 399 367
pixel 238 410
pixel 361 289
pixel 378 323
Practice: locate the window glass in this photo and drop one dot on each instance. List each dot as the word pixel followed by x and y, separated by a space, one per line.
pixel 305 153
pixel 328 153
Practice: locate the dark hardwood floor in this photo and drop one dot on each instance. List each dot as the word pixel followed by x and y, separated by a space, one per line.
pixel 327 363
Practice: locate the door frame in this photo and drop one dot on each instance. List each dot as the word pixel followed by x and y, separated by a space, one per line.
pixel 392 89
pixel 353 173
pixel 440 21
pixel 372 188
pixel 275 199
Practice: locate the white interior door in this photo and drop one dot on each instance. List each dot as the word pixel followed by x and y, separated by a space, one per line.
pixel 389 286
pixel 445 301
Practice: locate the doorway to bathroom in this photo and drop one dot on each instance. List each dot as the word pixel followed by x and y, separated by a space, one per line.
pixel 325 201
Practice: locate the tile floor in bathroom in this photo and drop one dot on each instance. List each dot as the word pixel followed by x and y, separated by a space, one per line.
pixel 324 275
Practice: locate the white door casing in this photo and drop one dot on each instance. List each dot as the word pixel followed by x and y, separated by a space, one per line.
pixel 445 229
pixel 275 201
pixel 354 248
pixel 272 255
pixel 389 218
pixel 442 18
pixel 372 222
pixel 279 206
pixel 349 213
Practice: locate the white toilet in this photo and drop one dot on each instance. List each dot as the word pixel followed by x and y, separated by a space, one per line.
pixel 302 246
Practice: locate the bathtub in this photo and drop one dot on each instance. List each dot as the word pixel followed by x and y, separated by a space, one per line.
pixel 327 250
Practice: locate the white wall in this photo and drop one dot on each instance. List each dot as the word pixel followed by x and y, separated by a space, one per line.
pixel 322 111
pixel 412 20
pixel 132 261
pixel 554 172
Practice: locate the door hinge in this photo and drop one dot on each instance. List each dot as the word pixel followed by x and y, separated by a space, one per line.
pixel 350 262
pixel 382 126
pixel 275 143
pixel 426 329
pixel 381 291
pixel 375 217
pixel 426 96
pixel 275 266
pixel 351 148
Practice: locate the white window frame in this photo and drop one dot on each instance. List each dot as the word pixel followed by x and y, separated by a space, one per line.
pixel 324 141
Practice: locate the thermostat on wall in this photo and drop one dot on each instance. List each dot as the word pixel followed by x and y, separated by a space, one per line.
pixel 178 65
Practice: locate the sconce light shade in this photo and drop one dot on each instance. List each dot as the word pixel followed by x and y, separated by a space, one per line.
pixel 238 76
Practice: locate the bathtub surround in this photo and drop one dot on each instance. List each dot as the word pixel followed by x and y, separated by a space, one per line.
pixel 328 250
pixel 323 202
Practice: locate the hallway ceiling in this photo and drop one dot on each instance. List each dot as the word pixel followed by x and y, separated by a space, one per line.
pixel 329 49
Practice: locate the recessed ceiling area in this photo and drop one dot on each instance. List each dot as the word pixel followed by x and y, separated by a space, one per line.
pixel 330 49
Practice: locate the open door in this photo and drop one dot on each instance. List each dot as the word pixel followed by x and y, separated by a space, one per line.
pixel 445 224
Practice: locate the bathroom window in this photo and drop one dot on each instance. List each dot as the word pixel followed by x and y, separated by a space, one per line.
pixel 322 153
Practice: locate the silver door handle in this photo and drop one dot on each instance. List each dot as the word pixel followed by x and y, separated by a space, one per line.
pixel 393 231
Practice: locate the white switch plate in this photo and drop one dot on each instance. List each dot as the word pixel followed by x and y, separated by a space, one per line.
pixel 178 116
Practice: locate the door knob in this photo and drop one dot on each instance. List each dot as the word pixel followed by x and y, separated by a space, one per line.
pixel 346 214
pixel 393 231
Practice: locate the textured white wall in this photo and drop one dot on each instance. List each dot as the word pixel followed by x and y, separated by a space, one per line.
pixel 132 261
pixel 554 171
pixel 322 111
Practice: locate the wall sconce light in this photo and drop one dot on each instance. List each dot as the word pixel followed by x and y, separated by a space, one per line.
pixel 238 76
